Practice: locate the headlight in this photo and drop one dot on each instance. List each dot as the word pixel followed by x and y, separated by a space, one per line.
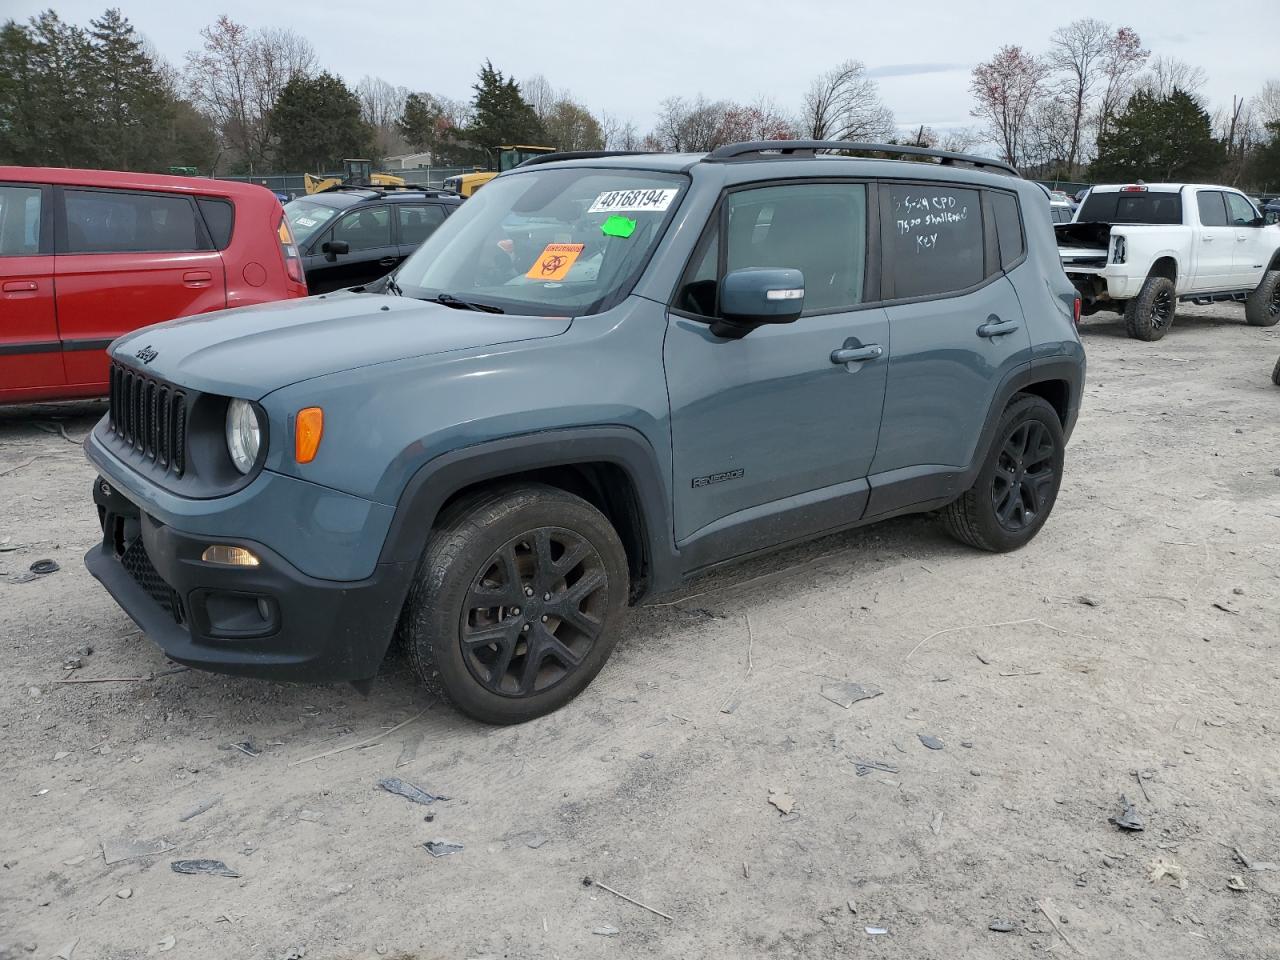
pixel 244 434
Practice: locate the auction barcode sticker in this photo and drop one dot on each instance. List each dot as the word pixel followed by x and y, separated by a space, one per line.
pixel 633 201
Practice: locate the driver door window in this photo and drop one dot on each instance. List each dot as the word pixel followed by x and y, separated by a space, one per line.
pixel 819 229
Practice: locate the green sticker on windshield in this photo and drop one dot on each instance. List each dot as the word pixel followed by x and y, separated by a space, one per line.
pixel 617 226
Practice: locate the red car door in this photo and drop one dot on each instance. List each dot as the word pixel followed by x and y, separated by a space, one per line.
pixel 127 259
pixel 30 355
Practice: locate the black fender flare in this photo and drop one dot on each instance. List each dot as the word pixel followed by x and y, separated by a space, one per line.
pixel 438 479
pixel 1071 370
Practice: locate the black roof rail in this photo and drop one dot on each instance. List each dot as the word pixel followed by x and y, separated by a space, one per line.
pixel 793 148
pixel 579 155
pixel 385 187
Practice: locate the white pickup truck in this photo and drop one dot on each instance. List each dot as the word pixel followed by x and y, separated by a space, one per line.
pixel 1139 249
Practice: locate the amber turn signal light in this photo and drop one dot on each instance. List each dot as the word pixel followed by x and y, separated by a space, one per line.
pixel 308 428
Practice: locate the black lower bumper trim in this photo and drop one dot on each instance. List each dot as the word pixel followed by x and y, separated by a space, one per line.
pixel 311 630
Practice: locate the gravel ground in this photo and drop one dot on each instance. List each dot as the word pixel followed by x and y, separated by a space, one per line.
pixel 1132 650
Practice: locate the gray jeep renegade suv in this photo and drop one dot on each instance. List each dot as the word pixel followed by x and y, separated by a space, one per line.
pixel 599 377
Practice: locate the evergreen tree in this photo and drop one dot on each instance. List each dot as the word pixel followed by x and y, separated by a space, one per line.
pixel 317 124
pixel 131 105
pixel 1158 139
pixel 500 115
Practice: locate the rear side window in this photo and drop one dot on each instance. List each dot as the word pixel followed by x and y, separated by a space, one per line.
pixel 1131 207
pixel 19 221
pixel 100 221
pixel 1008 227
pixel 417 222
pixel 1213 212
pixel 935 240
pixel 218 217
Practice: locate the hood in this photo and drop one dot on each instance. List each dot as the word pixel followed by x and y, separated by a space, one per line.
pixel 251 351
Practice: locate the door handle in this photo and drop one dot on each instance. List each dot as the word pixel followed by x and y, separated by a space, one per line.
pixel 21 286
pixel 846 355
pixel 387 262
pixel 995 327
pixel 1207 239
pixel 196 277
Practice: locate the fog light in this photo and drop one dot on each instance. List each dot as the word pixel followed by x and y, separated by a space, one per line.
pixel 229 556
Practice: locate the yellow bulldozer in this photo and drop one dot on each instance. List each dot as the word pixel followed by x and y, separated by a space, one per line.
pixel 354 171
pixel 509 157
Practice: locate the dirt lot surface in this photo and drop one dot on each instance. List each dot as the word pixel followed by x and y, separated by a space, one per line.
pixel 1133 649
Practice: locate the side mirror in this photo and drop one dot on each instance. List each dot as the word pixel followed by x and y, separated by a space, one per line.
pixel 332 249
pixel 754 296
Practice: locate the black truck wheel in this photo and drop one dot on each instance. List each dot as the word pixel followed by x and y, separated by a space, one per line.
pixel 1262 309
pixel 1018 484
pixel 518 602
pixel 1148 315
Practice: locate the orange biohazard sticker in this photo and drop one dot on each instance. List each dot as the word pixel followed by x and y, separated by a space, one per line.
pixel 554 262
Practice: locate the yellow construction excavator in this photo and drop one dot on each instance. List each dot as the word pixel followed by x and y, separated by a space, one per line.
pixel 509 157
pixel 354 171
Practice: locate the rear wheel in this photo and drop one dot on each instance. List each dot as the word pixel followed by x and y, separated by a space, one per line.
pixel 1018 484
pixel 1148 315
pixel 518 602
pixel 1262 309
pixel 1275 374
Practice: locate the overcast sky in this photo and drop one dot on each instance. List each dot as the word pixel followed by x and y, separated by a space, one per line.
pixel 625 58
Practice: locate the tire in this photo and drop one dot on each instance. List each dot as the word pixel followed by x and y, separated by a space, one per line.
pixel 537 572
pixel 1262 309
pixel 1275 373
pixel 1148 315
pixel 1011 498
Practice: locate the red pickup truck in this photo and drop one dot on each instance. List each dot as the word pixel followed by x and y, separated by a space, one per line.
pixel 87 255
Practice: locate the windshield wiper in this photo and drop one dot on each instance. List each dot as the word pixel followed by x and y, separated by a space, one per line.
pixel 393 286
pixel 449 300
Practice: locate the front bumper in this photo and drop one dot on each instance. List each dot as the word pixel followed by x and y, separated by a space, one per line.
pixel 270 621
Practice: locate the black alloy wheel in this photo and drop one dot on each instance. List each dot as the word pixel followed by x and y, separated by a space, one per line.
pixel 1023 483
pixel 1162 309
pixel 534 612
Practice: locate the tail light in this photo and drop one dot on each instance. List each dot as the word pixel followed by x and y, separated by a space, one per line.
pixel 289 250
pixel 1134 188
pixel 1075 310
pixel 1119 250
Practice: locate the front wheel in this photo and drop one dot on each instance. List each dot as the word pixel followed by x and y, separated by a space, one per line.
pixel 518 602
pixel 1148 315
pixel 1018 484
pixel 1262 309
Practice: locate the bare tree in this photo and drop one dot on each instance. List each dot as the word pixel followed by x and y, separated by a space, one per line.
pixel 1241 132
pixel 571 126
pixel 958 139
pixel 1078 50
pixel 619 134
pixel 381 107
pixel 844 104
pixel 539 94
pixel 1121 62
pixel 1166 74
pixel 235 79
pixel 1046 141
pixel 1006 88
pixel 1267 103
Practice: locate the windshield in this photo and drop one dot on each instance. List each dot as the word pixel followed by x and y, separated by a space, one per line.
pixel 306 218
pixel 549 242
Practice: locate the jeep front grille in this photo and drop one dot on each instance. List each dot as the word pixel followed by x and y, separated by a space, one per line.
pixel 151 417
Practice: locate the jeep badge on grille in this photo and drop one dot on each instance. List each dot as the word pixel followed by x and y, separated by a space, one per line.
pixel 146 354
